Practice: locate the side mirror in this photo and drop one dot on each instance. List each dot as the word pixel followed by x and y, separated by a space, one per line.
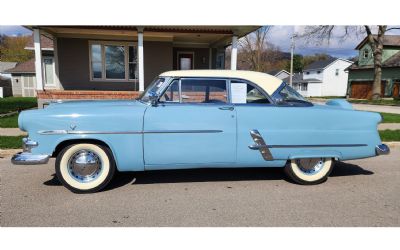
pixel 153 97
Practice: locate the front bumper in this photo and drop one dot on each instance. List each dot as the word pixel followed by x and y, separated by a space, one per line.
pixel 382 149
pixel 26 157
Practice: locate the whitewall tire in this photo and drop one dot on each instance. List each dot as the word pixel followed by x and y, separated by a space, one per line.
pixel 85 167
pixel 309 171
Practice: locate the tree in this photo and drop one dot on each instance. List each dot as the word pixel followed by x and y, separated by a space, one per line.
pixel 12 49
pixel 307 60
pixel 323 33
pixel 252 48
pixel 297 64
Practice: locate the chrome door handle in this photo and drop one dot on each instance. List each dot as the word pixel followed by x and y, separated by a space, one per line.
pixel 227 108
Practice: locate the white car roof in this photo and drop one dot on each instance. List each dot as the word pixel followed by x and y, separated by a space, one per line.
pixel 267 82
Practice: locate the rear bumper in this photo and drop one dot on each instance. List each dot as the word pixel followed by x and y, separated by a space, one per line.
pixel 382 149
pixel 25 158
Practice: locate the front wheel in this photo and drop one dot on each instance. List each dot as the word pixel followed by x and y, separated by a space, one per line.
pixel 309 171
pixel 85 167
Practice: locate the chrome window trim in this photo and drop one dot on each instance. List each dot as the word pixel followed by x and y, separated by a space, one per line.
pixel 228 90
pixel 271 101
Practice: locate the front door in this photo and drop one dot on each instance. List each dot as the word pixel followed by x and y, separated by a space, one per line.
pixel 185 60
pixel 192 126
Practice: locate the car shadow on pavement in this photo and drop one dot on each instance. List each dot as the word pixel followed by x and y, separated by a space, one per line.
pixel 212 175
pixel 347 169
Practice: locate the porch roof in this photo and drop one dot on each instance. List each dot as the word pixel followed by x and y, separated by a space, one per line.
pixel 215 36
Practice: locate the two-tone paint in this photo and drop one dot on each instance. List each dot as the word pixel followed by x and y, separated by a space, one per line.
pixel 174 135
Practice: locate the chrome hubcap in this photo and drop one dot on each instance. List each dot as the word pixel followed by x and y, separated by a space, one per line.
pixel 84 166
pixel 310 166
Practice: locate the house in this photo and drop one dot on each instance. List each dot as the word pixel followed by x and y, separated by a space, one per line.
pixel 23 75
pixel 332 75
pixel 361 73
pixel 280 73
pixel 306 87
pixel 5 79
pixel 114 62
pixel 4 66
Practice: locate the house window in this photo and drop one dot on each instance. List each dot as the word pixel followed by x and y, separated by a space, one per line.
pixel 318 72
pixel 304 86
pixel 366 53
pixel 113 61
pixel 307 73
pixel 337 72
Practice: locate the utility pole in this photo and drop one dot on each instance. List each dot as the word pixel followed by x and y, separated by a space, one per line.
pixel 291 60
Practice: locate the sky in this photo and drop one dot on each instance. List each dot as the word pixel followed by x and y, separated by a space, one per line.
pixel 337 47
pixel 279 36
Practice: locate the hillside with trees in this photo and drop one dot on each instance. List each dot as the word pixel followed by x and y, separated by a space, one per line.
pixel 12 49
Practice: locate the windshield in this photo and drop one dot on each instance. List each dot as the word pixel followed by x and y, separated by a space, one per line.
pixel 155 87
pixel 286 94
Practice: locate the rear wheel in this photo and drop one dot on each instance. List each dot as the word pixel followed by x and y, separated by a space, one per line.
pixel 309 171
pixel 85 167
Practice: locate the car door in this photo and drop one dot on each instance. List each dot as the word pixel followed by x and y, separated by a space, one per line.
pixel 193 125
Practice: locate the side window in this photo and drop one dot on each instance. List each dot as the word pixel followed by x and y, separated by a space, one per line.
pixel 242 92
pixel 203 91
pixel 172 93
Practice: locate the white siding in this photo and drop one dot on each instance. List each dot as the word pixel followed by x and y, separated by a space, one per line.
pixel 314 89
pixel 332 84
pixel 313 74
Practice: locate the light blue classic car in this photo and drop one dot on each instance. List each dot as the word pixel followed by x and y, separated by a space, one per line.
pixel 198 119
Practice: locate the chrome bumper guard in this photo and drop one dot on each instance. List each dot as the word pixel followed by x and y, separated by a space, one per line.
pixel 382 149
pixel 26 157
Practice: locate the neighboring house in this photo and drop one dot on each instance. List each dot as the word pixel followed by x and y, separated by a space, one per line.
pixel 113 62
pixel 361 73
pixel 24 74
pixel 4 66
pixel 281 74
pixel 306 87
pixel 5 79
pixel 332 74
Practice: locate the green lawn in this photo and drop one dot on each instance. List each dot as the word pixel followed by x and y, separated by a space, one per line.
pixel 10 104
pixel 390 135
pixel 395 102
pixel 9 121
pixel 390 118
pixel 7 142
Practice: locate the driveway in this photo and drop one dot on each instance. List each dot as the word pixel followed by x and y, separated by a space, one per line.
pixel 358 193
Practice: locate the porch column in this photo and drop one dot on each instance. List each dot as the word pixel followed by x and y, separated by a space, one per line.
pixel 140 60
pixel 56 65
pixel 38 59
pixel 234 52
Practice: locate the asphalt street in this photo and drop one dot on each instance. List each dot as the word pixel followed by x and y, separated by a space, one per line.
pixel 359 193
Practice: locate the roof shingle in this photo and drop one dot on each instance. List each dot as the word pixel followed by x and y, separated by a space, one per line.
pixel 320 64
pixel 24 67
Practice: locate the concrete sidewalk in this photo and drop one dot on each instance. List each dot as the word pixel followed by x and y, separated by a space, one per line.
pixel 391 126
pixel 11 132
pixel 377 108
pixel 365 107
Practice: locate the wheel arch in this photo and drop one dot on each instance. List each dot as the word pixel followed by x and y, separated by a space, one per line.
pixel 61 145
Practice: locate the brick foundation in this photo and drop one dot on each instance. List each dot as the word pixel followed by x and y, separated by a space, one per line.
pixel 85 94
